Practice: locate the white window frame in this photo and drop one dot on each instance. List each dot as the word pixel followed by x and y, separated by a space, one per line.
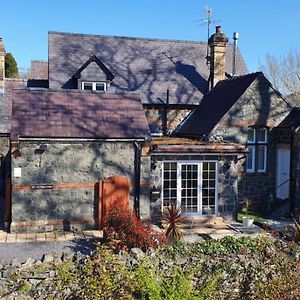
pixel 94 85
pixel 265 158
pixel 252 169
pixel 255 144
pixel 199 193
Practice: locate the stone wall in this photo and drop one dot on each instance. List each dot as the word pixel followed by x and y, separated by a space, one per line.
pixel 260 105
pixel 4 170
pixel 79 164
pixel 155 118
pixel 228 168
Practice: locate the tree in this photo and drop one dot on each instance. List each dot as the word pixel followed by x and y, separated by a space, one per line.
pixel 284 72
pixel 11 67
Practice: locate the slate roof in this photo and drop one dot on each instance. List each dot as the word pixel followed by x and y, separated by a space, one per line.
pixel 5 102
pixel 215 105
pixel 81 114
pixel 147 66
pixel 292 120
pixel 38 70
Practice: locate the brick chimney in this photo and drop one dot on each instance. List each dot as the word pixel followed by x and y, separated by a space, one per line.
pixel 2 66
pixel 217 43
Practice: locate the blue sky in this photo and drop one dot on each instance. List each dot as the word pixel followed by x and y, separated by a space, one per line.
pixel 265 26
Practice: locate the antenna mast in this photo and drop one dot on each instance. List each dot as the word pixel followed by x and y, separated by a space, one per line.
pixel 208 20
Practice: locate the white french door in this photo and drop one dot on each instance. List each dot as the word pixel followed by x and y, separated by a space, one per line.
pixel 191 185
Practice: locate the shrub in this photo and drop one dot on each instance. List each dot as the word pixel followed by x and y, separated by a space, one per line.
pixel 172 218
pixel 101 276
pixel 123 227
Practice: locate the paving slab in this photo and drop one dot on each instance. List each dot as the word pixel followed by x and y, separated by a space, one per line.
pixel 60 236
pixel 20 237
pixel 41 237
pixel 31 237
pixel 50 237
pixel 97 233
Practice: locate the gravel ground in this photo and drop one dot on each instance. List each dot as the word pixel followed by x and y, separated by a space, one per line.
pixel 35 250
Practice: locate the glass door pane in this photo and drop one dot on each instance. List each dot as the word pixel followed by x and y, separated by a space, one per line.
pixel 169 184
pixel 208 188
pixel 189 187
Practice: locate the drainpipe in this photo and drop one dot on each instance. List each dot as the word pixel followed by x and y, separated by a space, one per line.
pixel 165 116
pixel 292 180
pixel 137 177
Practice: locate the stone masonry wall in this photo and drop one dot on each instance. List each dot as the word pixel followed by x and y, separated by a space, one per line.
pixel 4 170
pixel 85 162
pixel 261 106
pixel 155 118
pixel 228 168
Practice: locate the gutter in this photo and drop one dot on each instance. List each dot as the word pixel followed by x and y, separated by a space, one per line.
pixel 81 139
pixel 198 153
pixel 137 178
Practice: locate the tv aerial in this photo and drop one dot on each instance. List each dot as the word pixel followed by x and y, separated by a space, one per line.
pixel 208 20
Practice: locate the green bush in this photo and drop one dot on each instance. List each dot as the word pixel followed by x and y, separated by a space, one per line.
pixel 229 268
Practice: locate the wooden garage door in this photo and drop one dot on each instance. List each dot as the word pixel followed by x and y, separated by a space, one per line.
pixel 112 189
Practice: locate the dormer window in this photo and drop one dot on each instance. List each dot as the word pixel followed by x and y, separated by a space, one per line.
pixel 93 86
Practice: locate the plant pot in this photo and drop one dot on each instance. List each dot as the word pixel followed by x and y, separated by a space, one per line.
pixel 248 222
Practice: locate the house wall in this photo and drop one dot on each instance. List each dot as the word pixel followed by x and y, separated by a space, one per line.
pixel 4 170
pixel 228 167
pixel 259 105
pixel 155 118
pixel 296 175
pixel 66 163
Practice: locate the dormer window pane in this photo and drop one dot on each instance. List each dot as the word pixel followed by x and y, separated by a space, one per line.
pixel 87 86
pixel 100 86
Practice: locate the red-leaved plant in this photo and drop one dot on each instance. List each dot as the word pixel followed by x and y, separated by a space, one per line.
pixel 126 231
pixel 172 218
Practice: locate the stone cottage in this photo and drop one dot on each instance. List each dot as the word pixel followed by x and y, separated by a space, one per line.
pixel 217 132
pixel 62 143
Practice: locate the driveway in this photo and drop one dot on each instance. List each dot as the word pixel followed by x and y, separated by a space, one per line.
pixel 23 250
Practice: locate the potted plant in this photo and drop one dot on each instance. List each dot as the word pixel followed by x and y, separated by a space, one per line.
pixel 247 220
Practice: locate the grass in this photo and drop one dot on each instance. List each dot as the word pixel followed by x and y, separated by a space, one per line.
pixel 257 217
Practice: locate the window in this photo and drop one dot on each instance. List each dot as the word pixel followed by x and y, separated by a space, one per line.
pixel 191 185
pixel 257 146
pixel 93 86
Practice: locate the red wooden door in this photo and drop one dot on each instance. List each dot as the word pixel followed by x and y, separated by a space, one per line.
pixel 112 189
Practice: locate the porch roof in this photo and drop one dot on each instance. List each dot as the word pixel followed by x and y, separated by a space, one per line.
pixel 174 145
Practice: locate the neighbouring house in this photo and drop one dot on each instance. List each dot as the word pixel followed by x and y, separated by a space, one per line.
pixel 38 74
pixel 215 136
pixel 288 163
